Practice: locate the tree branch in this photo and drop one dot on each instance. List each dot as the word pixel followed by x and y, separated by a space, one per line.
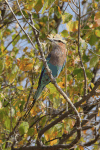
pixel 14 38
pixel 90 12
pixel 72 8
pixel 82 66
pixel 20 25
pixel 92 141
pixel 60 91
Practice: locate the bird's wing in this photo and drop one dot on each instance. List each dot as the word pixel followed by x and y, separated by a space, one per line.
pixel 63 65
pixel 43 68
pixel 47 59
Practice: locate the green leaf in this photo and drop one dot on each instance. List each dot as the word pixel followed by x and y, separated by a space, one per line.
pixel 51 10
pixel 97 32
pixel 64 33
pixel 7 123
pixel 69 77
pixel 20 87
pixel 2 114
pixel 44 7
pixel 89 74
pixel 85 58
pixel 43 121
pixel 1 79
pixel 1 66
pixel 94 60
pixel 38 5
pixel 31 131
pixel 93 39
pixel 66 17
pixel 86 28
pixel 77 71
pixel 24 127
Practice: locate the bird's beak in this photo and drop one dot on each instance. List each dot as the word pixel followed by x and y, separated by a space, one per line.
pixel 50 39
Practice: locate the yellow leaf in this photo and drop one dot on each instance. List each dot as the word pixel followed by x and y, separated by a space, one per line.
pixel 92 85
pixel 98 112
pixel 29 67
pixel 63 101
pixel 97 18
pixel 46 136
pixel 25 49
pixel 59 10
pixel 25 135
pixel 42 24
pixel 18 114
pixel 72 26
pixel 97 32
pixel 95 5
pixel 8 61
pixel 25 64
pixel 33 112
pixel 81 148
pixel 53 142
pixel 99 109
pixel 0 141
pixel 61 84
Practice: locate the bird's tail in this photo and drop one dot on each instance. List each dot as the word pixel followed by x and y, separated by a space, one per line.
pixel 36 96
pixel 38 92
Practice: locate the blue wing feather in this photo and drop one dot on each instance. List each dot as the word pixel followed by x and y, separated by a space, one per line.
pixel 63 65
pixel 43 68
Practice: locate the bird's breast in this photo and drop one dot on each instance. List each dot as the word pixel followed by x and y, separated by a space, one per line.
pixel 57 58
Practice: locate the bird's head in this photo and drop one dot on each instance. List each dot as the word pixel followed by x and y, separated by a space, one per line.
pixel 57 41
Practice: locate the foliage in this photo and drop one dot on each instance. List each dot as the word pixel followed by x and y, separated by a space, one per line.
pixel 20 67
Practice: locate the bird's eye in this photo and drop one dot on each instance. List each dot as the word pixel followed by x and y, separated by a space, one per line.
pixel 59 40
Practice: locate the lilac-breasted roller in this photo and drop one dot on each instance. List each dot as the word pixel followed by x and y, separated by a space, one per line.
pixel 56 61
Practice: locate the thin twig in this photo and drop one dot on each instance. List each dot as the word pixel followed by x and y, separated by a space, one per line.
pixel 14 38
pixel 74 4
pixel 25 17
pixel 65 9
pixel 90 12
pixel 29 93
pixel 72 8
pixel 20 25
pixel 92 141
pixel 82 66
pixel 67 136
pixel 66 78
pixel 94 53
pixel 11 133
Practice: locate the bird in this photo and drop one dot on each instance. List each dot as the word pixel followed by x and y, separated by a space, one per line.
pixel 56 61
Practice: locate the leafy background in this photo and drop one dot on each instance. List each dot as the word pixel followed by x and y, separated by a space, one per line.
pixel 20 68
